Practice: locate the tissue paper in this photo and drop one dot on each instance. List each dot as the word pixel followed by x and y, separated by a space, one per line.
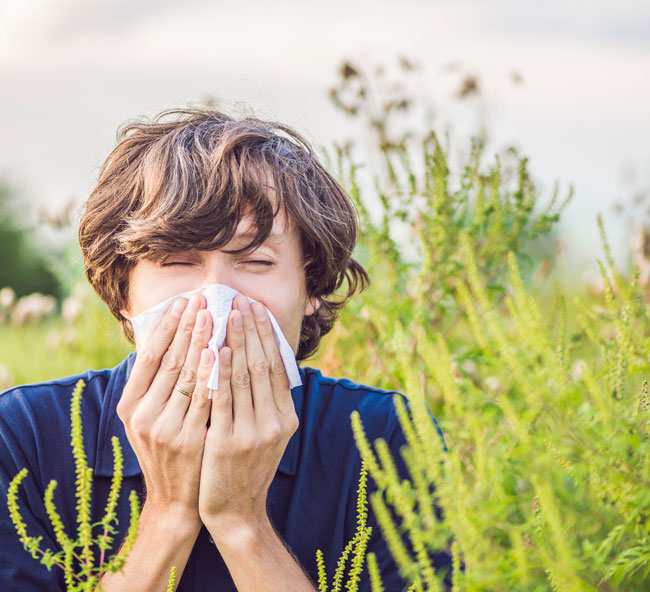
pixel 219 303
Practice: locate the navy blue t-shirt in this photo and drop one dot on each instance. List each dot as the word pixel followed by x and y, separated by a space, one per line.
pixel 311 501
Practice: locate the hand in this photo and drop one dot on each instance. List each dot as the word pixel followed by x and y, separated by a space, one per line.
pixel 252 420
pixel 165 428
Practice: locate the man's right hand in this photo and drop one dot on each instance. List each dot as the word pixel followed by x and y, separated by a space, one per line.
pixel 166 428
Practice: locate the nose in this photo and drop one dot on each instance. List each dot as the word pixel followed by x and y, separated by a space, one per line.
pixel 216 270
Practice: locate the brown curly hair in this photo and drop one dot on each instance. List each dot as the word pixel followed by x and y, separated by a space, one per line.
pixel 170 182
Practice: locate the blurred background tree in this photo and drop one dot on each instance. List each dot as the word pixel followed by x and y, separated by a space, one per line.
pixel 24 267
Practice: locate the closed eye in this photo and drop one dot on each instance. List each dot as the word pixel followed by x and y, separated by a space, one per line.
pixel 259 262
pixel 251 262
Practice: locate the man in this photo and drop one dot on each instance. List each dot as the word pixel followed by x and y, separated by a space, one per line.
pixel 239 490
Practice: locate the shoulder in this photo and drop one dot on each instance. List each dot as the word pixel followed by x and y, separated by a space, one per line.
pixel 42 398
pixel 336 398
pixel 35 418
pixel 57 392
pixel 352 389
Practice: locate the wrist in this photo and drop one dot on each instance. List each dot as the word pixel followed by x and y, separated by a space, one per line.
pixel 238 534
pixel 175 522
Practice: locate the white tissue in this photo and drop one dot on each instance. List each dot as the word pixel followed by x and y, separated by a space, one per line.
pixel 219 303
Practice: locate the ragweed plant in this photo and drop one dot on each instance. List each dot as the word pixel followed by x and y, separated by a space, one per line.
pixel 545 485
pixel 544 409
pixel 82 569
pixel 411 243
pixel 76 557
pixel 354 551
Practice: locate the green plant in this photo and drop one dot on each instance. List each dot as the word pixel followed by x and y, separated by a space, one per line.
pixel 547 477
pixel 85 575
pixel 414 205
pixel 414 250
pixel 354 551
pixel 76 556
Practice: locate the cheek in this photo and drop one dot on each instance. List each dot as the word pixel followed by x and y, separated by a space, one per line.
pixel 288 313
pixel 287 308
pixel 146 292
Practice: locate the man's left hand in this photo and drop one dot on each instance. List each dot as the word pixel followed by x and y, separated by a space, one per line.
pixel 251 422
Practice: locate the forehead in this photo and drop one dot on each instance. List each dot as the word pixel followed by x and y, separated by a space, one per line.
pixel 282 230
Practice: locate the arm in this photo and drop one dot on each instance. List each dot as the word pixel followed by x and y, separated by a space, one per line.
pixel 258 560
pixel 166 430
pixel 163 541
pixel 252 420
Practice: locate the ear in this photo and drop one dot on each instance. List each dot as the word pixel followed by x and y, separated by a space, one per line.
pixel 313 304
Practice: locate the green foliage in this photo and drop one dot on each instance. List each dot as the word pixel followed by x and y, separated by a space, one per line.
pixel 171 586
pixel 354 551
pixel 414 206
pixel 543 401
pixel 417 274
pixel 61 345
pixel 85 575
pixel 546 480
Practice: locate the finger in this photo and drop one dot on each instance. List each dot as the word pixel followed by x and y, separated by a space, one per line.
pixel 258 366
pixel 240 379
pixel 174 358
pixel 277 371
pixel 221 414
pixel 199 411
pixel 187 379
pixel 147 359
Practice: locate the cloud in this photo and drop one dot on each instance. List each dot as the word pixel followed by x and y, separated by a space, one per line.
pixel 73 70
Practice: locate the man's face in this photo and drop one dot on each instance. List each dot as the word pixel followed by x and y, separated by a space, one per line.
pixel 272 274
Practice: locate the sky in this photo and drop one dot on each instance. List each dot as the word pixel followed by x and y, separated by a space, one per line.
pixel 73 71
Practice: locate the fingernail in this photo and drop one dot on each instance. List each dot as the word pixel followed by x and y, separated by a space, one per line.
pixel 225 356
pixel 259 312
pixel 206 357
pixel 202 319
pixel 179 307
pixel 244 306
pixel 194 303
pixel 237 323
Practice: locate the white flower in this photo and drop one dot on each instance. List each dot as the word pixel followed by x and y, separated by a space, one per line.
pixel 6 377
pixel 492 383
pixel 7 298
pixel 72 308
pixel 34 307
pixel 578 370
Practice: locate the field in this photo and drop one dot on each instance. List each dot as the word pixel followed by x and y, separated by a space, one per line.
pixel 540 388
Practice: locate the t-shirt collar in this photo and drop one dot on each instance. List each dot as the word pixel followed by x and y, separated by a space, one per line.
pixel 111 425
